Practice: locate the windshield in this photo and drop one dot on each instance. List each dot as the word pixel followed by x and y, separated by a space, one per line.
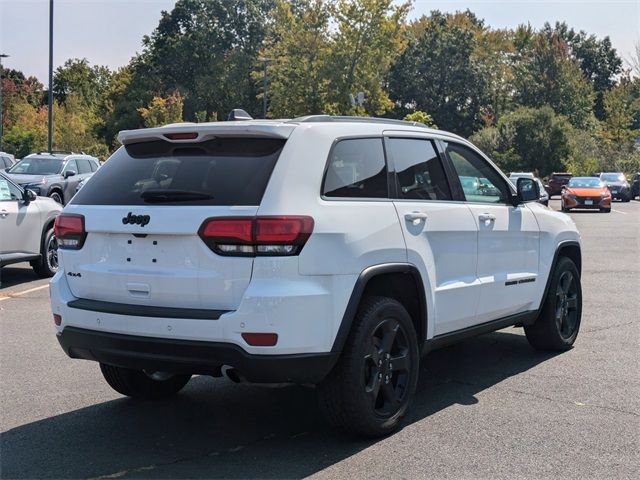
pixel 585 182
pixel 612 177
pixel 38 166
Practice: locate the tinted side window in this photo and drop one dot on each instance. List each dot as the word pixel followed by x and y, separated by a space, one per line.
pixel 83 165
pixel 71 165
pixel 94 165
pixel 357 168
pixel 419 171
pixel 480 182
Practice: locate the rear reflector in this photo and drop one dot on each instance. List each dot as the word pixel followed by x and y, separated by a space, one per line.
pixel 182 136
pixel 57 319
pixel 249 236
pixel 260 339
pixel 69 231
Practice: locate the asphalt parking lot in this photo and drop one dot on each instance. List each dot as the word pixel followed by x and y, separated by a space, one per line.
pixel 490 407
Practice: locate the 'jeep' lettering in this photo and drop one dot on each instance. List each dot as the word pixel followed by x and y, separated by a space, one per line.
pixel 141 220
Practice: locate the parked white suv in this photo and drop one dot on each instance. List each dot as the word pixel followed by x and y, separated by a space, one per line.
pixel 322 250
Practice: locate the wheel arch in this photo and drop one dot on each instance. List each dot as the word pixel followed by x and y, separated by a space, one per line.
pixel 401 281
pixel 567 248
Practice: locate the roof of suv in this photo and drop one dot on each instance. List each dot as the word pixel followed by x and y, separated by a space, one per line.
pixel 60 155
pixel 269 128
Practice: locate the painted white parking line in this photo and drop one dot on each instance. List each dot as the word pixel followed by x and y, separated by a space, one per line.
pixel 618 211
pixel 24 292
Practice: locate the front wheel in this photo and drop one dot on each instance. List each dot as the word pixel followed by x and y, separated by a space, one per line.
pixel 143 384
pixel 557 326
pixel 370 389
pixel 57 197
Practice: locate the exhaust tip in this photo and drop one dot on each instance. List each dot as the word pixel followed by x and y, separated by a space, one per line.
pixel 233 375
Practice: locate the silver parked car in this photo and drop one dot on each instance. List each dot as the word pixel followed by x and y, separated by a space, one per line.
pixel 26 228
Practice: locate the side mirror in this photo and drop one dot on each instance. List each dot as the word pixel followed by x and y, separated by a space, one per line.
pixel 528 190
pixel 69 173
pixel 28 196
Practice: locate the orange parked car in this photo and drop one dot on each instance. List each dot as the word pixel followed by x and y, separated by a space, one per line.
pixel 586 192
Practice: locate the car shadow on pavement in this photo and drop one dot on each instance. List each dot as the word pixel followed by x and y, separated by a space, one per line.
pixel 217 429
pixel 12 275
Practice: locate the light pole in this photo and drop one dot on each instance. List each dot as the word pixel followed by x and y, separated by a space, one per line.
pixel 2 55
pixel 265 86
pixel 50 109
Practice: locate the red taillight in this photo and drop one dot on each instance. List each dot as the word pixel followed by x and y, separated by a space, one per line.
pixel 260 339
pixel 57 319
pixel 249 236
pixel 182 136
pixel 69 231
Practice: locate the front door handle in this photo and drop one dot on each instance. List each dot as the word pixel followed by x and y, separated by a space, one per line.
pixel 487 217
pixel 415 217
pixel 3 213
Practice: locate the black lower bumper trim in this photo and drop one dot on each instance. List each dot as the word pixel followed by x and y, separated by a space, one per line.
pixel 145 310
pixel 187 356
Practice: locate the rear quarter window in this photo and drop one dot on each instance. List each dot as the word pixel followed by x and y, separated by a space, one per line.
pixel 222 171
pixel 356 168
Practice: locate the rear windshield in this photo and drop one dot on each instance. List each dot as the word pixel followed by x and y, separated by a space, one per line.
pixel 222 171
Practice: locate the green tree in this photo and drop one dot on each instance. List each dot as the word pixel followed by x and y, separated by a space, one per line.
pixel 368 36
pixel 206 49
pixel 421 117
pixel 547 75
pixel 298 47
pixel 439 73
pixel 162 111
pixel 77 76
pixel 598 60
pixel 529 139
pixel 620 106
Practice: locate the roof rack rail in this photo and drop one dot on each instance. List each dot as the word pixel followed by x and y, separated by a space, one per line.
pixel 331 118
pixel 57 152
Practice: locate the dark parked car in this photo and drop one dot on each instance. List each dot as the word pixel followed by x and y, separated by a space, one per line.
pixel 556 182
pixel 54 175
pixel 6 161
pixel 618 185
pixel 635 186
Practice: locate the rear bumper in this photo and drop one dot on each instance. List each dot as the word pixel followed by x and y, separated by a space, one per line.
pixel 196 357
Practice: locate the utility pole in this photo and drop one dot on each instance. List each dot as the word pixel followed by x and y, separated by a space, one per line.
pixel 50 112
pixel 2 55
pixel 265 85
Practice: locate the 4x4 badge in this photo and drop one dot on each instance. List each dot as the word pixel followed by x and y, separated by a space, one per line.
pixel 141 220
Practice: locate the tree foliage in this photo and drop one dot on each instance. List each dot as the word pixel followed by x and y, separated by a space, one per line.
pixel 162 111
pixel 534 99
pixel 438 73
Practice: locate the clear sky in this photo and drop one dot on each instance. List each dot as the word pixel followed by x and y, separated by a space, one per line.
pixel 109 32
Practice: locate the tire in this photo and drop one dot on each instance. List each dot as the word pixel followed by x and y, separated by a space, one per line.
pixel 605 210
pixel 141 384
pixel 57 196
pixel 47 265
pixel 557 327
pixel 565 210
pixel 365 394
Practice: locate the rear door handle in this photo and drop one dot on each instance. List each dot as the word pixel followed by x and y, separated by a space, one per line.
pixel 415 217
pixel 487 217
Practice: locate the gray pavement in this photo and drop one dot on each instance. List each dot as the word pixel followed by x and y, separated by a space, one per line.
pixel 489 407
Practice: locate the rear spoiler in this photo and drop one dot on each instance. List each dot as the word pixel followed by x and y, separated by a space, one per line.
pixel 199 132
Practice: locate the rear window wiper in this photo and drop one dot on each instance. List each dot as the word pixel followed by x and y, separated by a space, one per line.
pixel 159 196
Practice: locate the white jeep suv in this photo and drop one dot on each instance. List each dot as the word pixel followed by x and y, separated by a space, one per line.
pixel 332 251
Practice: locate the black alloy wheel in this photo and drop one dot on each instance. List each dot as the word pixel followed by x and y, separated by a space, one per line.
pixel 566 304
pixel 386 368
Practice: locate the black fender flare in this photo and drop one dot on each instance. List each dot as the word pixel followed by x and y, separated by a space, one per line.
pixel 358 290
